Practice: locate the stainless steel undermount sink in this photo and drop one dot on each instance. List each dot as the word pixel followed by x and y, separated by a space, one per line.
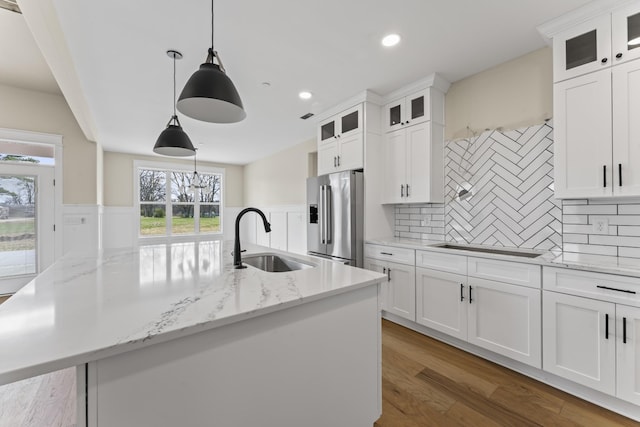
pixel 490 250
pixel 275 263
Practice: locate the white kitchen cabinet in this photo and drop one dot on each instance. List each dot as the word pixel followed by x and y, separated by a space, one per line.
pixel 495 314
pixel 399 291
pixel 414 166
pixel 505 319
pixel 628 353
pixel 582 49
pixel 601 42
pixel 579 340
pixel 379 267
pixel 441 301
pixel 408 110
pixel 341 141
pixel 626 128
pixel 583 136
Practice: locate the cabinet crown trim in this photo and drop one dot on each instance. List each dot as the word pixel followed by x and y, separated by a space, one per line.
pixel 577 16
pixel 364 96
pixel 434 80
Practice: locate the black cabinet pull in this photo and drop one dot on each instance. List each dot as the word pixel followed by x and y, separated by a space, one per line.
pixel 388 274
pixel 604 60
pixel 624 330
pixel 470 297
pixel 461 292
pixel 384 270
pixel 334 162
pixel 618 55
pixel 386 253
pixel 407 190
pixel 620 174
pixel 604 175
pixel 606 326
pixel 617 290
pixel 338 160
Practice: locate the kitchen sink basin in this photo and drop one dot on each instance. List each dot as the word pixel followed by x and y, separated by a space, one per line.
pixel 491 250
pixel 275 263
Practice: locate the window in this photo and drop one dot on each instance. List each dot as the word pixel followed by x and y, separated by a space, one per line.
pixel 176 202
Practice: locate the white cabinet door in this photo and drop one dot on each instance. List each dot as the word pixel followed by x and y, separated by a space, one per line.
pixel 577 344
pixel 625 31
pixel 417 107
pixel 628 353
pixel 350 152
pixel 350 122
pixel 505 319
pixel 582 49
pixel 583 147
pixel 395 166
pixel 425 171
pixel 379 267
pixel 401 294
pixel 441 301
pixel 626 128
pixel 327 157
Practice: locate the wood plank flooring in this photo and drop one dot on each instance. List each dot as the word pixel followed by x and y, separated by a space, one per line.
pixel 3 298
pixel 429 383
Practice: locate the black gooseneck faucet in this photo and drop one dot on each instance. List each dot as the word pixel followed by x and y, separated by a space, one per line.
pixel 237 258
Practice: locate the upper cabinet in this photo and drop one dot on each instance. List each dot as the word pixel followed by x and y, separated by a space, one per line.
pixel 341 141
pixel 596 95
pixel 598 43
pixel 413 144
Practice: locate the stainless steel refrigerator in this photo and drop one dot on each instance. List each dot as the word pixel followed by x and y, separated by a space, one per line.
pixel 335 212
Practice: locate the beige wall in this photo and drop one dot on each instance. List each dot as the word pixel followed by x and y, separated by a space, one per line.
pixel 514 94
pixel 279 179
pixel 48 113
pixel 119 183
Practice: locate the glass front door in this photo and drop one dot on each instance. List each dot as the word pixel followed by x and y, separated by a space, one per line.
pixel 26 223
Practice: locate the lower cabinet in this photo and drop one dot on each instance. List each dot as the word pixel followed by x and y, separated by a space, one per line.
pixel 594 343
pixel 399 291
pixel 441 301
pixel 500 317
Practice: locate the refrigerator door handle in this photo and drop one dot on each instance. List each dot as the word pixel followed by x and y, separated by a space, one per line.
pixel 328 228
pixel 321 215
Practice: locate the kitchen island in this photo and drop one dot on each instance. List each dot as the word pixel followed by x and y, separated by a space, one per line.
pixel 171 334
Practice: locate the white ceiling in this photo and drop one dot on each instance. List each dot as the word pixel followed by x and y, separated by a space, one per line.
pixel 329 47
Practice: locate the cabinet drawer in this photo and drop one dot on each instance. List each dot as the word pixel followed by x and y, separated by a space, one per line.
pixel 442 262
pixel 606 287
pixel 505 271
pixel 390 253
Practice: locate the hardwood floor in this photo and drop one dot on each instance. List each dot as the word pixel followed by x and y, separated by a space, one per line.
pixel 429 383
pixel 3 298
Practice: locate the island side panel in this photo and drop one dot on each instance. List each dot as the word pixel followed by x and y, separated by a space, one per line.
pixel 316 364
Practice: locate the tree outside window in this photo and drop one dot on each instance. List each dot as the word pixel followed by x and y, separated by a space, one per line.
pixel 172 202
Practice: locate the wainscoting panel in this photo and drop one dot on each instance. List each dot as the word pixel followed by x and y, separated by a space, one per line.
pixel 499 190
pixel 81 227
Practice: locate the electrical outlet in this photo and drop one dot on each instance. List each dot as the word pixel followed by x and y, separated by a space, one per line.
pixel 600 226
pixel 426 221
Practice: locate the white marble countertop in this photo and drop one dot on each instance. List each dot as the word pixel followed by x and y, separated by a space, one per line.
pixel 89 306
pixel 585 262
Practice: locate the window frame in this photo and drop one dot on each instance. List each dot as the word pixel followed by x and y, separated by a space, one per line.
pixel 168 168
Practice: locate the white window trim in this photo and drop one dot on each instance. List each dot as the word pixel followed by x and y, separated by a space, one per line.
pixel 175 167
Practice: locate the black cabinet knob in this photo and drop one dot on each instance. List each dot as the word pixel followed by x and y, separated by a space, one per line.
pixel 618 55
pixel 604 60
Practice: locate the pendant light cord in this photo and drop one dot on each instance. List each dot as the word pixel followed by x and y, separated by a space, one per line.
pixel 174 85
pixel 212 25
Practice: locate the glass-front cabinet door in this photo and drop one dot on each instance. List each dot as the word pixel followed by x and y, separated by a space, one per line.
pixel 350 121
pixel 582 49
pixel 327 130
pixel 417 107
pixel 625 27
pixel 394 113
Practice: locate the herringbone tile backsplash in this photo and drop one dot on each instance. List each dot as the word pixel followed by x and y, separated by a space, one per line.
pixel 508 181
pixel 509 176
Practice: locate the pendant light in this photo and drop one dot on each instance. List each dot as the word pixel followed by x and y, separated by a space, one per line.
pixel 173 141
pixel 210 95
pixel 196 180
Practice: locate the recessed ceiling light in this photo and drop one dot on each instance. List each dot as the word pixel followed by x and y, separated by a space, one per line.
pixel 266 84
pixel 634 42
pixel 305 95
pixel 390 40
